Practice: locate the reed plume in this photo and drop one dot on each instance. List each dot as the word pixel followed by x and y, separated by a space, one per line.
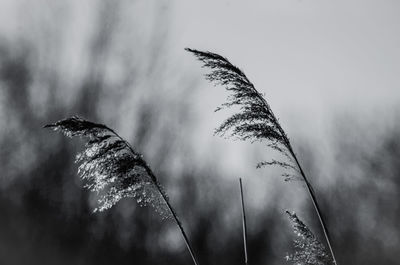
pixel 308 250
pixel 114 170
pixel 255 121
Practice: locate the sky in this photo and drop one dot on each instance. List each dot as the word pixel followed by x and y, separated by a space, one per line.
pixel 315 55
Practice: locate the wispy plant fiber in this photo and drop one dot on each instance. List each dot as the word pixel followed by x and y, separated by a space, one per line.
pixel 114 170
pixel 111 168
pixel 308 250
pixel 255 120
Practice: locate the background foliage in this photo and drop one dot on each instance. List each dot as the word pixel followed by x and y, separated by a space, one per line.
pixel 116 63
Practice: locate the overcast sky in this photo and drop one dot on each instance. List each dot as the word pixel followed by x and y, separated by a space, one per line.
pixel 315 54
pixel 309 54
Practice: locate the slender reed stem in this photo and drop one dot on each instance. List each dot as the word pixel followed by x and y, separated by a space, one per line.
pixel 308 184
pixel 171 209
pixel 98 134
pixel 244 224
pixel 315 204
pixel 254 111
pixel 177 221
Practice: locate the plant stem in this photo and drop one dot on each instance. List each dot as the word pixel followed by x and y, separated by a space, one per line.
pixel 244 224
pixel 178 222
pixel 171 209
pixel 308 184
pixel 315 203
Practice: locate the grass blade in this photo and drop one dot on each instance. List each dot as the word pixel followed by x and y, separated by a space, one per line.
pixel 244 224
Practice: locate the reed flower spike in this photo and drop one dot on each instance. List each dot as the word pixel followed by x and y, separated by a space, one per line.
pixel 114 170
pixel 255 120
pixel 308 250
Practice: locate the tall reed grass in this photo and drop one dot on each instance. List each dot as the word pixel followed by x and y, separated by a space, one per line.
pixel 255 121
pixel 111 168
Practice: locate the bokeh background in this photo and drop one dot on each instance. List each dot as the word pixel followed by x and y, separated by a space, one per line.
pixel 329 69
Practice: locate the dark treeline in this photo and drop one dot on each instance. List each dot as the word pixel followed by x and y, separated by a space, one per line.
pixel 46 216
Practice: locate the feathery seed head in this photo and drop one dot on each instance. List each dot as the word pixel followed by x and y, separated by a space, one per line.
pixel 255 120
pixel 308 250
pixel 110 166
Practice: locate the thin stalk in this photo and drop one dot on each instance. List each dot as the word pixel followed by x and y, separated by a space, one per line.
pixel 315 204
pixel 244 224
pixel 171 209
pixel 308 184
pixel 76 126
pixel 177 221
